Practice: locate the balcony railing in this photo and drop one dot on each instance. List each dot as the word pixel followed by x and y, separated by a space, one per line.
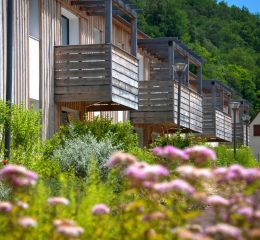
pixel 223 124
pixel 96 74
pixel 158 104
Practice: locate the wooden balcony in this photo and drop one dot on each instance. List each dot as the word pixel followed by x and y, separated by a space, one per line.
pixel 100 75
pixel 158 101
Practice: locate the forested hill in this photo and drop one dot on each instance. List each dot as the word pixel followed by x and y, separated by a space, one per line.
pixel 228 38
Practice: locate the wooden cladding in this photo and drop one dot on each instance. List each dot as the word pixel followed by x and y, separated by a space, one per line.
pixel 98 73
pixel 158 102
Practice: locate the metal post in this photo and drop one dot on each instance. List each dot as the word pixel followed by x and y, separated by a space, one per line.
pixel 179 100
pixel 9 76
pixel 247 134
pixel 234 133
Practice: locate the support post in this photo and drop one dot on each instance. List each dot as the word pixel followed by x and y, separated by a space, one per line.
pixel 134 37
pixel 108 21
pixel 188 72
pixel 180 74
pixel 171 59
pixel 199 79
pixel 9 74
pixel 234 133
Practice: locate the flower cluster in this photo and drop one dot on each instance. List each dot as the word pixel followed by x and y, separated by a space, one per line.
pixel 100 209
pixel 18 176
pixel 67 228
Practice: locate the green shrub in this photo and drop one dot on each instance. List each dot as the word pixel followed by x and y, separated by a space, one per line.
pixel 225 156
pixel 178 140
pixel 78 153
pixel 100 128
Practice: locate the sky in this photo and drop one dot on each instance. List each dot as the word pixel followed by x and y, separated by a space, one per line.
pixel 252 5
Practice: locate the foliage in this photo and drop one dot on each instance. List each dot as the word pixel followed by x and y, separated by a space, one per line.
pixel 100 128
pixel 78 153
pixel 228 38
pixel 205 203
pixel 178 140
pixel 244 156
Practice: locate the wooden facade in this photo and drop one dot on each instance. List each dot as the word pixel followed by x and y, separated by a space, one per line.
pixel 20 51
pixel 217 120
pixel 158 91
pixel 241 128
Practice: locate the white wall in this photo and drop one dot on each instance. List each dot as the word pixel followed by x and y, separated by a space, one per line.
pixel 255 140
pixel 34 69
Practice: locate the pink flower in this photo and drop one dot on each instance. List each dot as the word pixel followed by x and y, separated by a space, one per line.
pixel 18 176
pixel 191 172
pixel 217 201
pixel 170 152
pixel 22 205
pixel 251 174
pixel 26 222
pixel 53 201
pixel 225 229
pixel 64 222
pixel 100 209
pixel 177 185
pixel 70 231
pixel 120 159
pixel 144 172
pixel 6 207
pixel 200 154
pixel 245 211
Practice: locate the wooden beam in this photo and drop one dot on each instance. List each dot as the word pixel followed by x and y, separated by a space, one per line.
pixel 199 79
pixel 108 21
pixel 171 59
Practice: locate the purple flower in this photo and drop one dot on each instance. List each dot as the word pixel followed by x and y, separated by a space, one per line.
pixel 53 201
pixel 177 185
pixel 251 174
pixel 26 222
pixel 100 209
pixel 139 171
pixel 225 229
pixel 200 154
pixel 6 207
pixel 18 176
pixel 120 159
pixel 217 201
pixel 170 152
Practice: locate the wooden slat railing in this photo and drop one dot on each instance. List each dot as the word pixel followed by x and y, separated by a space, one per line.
pixel 96 73
pixel 158 104
pixel 223 126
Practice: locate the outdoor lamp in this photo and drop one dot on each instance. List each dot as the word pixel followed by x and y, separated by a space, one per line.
pixel 235 107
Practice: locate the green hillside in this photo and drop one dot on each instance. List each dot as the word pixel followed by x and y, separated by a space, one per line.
pixel 228 38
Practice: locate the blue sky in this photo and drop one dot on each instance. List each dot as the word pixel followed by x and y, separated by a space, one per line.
pixel 252 5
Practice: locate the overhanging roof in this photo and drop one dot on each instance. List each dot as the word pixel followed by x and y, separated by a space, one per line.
pixel 208 83
pixel 160 47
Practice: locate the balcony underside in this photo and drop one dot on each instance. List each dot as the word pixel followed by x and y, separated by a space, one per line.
pixel 158 102
pixel 98 75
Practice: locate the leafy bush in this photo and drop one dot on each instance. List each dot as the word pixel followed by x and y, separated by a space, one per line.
pixel 244 156
pixel 178 140
pixel 101 129
pixel 78 153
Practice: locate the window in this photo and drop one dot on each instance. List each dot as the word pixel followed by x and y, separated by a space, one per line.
pixel 257 130
pixel 34 19
pixel 97 36
pixel 69 28
pixel 65 28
